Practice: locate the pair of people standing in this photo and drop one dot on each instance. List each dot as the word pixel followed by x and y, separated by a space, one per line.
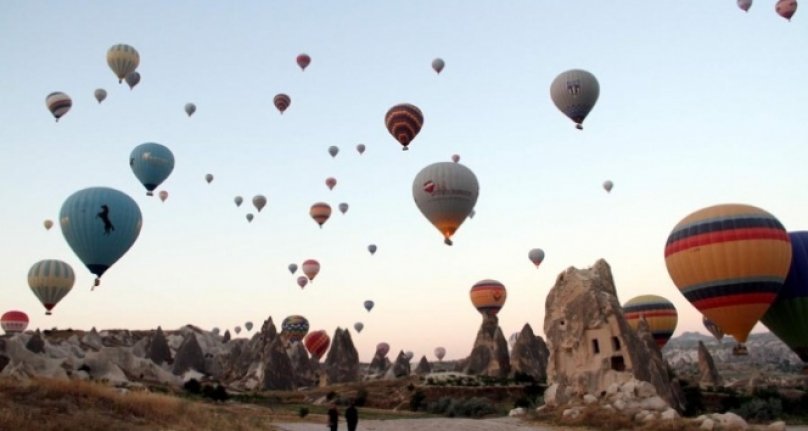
pixel 351 417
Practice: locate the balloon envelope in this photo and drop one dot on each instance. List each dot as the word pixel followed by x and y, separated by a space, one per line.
pixel 333 150
pixel 382 349
pixel 237 329
pixel 788 315
pixel 303 60
pixel 320 212
pixel 14 321
pixel 607 185
pixel 259 202
pixel 343 207
pixel 48 224
pixel 292 268
pixel 536 256
pixel 575 93
pixel 368 305
pixel 438 64
pixel 488 296
pixel 712 328
pixel 100 94
pixel 456 158
pixel 660 314
pixel 745 5
pixel 446 193
pixel 330 182
pixel 133 79
pixel 100 224
pixel 302 281
pixel 163 195
pixel 360 148
pixel 58 104
pixel 786 8
pixel 151 163
pixel 238 200
pixel 404 121
pixel 190 108
pixel 123 60
pixel 317 343
pixel 372 249
pixel 729 261
pixel 295 327
pixel 250 217
pixel 248 325
pixel 311 268
pixel 440 352
pixel 51 280
pixel 208 178
pixel 358 326
pixel 282 102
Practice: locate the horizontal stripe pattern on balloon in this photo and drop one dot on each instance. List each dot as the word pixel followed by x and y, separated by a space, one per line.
pixel 317 343
pixel 58 104
pixel 51 280
pixel 282 102
pixel 14 321
pixel 658 312
pixel 404 121
pixel 488 296
pixel 295 327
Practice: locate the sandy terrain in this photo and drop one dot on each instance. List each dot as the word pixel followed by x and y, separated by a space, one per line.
pixel 498 424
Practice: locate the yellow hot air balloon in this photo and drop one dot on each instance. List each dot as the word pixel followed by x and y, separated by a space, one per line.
pixel 51 280
pixel 488 297
pixel 660 314
pixel 123 60
pixel 446 193
pixel 729 261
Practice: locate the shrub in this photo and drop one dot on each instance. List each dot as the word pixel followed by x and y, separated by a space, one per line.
pixel 192 387
pixel 220 394
pixel 330 396
pixel 475 407
pixel 303 412
pixel 760 410
pixel 361 397
pixel 520 377
pixel 416 400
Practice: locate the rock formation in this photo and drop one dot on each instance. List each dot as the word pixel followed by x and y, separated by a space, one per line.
pixel 708 374
pixel 158 350
pixel 189 357
pixel 423 367
pixel 226 337
pixel 379 364
pixel 278 371
pixel 304 372
pixel 529 355
pixel 591 346
pixel 36 344
pixel 489 356
pixel 342 362
pixel 399 368
pixel 93 339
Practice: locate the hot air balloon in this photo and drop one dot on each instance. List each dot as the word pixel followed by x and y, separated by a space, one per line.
pixel 259 201
pixel 215 331
pixel 303 60
pixel 48 224
pixel 51 280
pixel 248 325
pixel 100 94
pixel 330 182
pixel 438 64
pixel 133 79
pixel 536 256
pixel 58 104
pixel 729 261
pixel 100 224
pixel 294 328
pixel 250 217
pixel 440 352
pixel 237 329
pixel 607 185
pixel 311 268
pixel 320 212
pixel 472 213
pixel 660 314
pixel 488 297
pixel 361 149
pixel 163 195
pixel 372 249
pixel 152 163
pixel 445 192
pixel 190 108
pixel 788 315
pixel 369 305
pixel 575 93
pixel 333 150
pixel 404 121
pixel 238 200
pixel 209 178
pixel 317 343
pixel 786 8
pixel 358 326
pixel 745 5
pixel 409 354
pixel 123 60
pixel 343 207
pixel 282 102
pixel 293 268
pixel 302 281
pixel 456 158
pixel 14 322
pixel 382 349
pixel 712 328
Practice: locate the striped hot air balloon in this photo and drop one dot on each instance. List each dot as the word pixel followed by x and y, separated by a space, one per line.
pixel 788 315
pixel 446 193
pixel 295 327
pixel 58 104
pixel 320 212
pixel 303 60
pixel 317 343
pixel 123 60
pixel 488 297
pixel 729 261
pixel 311 268
pixel 575 92
pixel 660 314
pixel 404 121
pixel 51 280
pixel 382 349
pixel 282 102
pixel 14 322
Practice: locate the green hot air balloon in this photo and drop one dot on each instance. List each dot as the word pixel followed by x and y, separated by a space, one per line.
pixel 100 224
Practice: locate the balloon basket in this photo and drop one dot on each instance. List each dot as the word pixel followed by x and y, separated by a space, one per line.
pixel 740 350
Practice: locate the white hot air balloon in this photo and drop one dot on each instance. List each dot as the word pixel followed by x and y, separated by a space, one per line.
pixel 446 193
pixel 575 93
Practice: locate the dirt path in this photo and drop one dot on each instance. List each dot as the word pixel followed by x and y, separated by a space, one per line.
pixel 440 424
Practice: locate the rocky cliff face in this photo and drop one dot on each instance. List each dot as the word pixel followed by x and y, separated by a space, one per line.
pixel 342 362
pixel 489 355
pixel 424 367
pixel 708 374
pixel 158 350
pixel 400 368
pixel 189 357
pixel 529 355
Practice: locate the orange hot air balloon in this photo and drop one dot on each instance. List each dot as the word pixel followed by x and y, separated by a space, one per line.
pixel 303 60
pixel 317 343
pixel 404 121
pixel 488 297
pixel 730 262
pixel 311 268
pixel 660 314
pixel 330 182
pixel 282 102
pixel 320 212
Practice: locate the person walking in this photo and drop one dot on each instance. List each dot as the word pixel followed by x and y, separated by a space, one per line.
pixel 351 416
pixel 333 416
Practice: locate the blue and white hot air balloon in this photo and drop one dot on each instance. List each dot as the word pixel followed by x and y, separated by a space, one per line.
pixel 100 224
pixel 152 163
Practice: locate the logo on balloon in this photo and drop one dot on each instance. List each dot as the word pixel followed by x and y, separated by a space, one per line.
pixel 429 187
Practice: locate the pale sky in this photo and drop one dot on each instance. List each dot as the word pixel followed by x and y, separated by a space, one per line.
pixel 700 104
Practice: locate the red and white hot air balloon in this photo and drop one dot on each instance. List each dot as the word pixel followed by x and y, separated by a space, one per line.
pixel 311 268
pixel 320 212
pixel 14 322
